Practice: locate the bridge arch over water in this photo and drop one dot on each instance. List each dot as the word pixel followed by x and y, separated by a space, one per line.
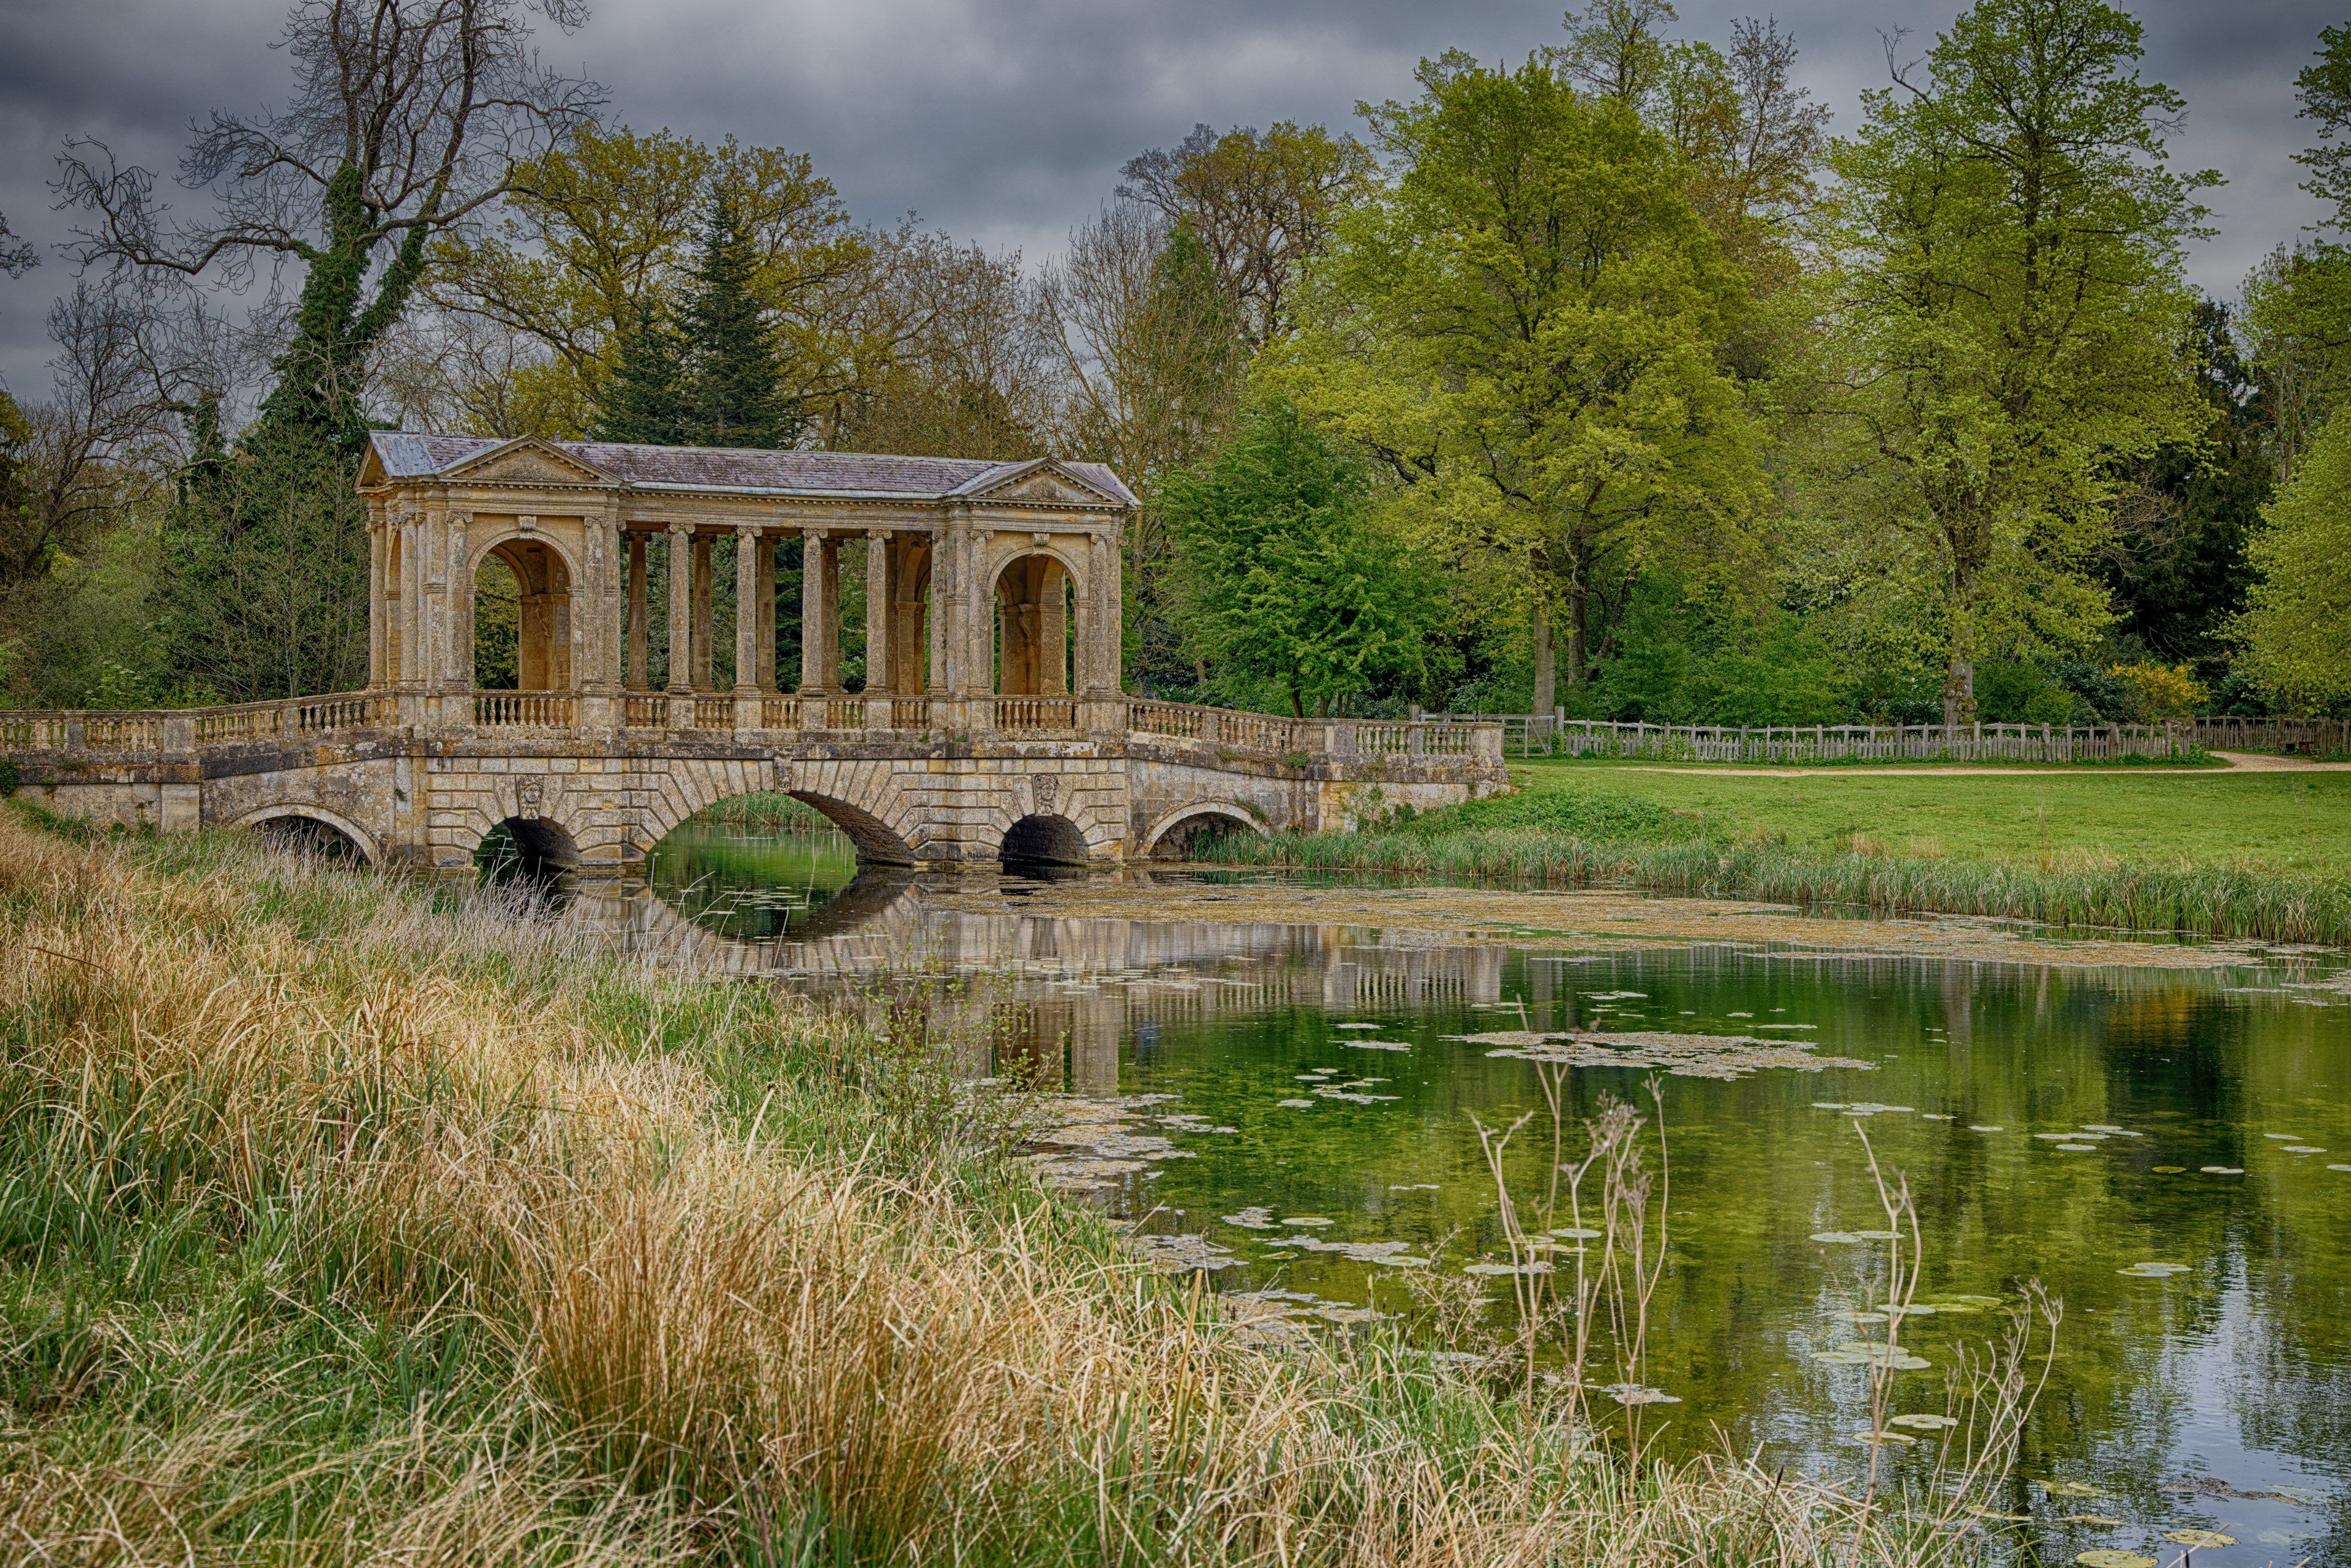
pixel 991 715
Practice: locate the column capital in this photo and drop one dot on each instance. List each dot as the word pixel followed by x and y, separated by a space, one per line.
pixel 749 530
pixel 879 533
pixel 677 526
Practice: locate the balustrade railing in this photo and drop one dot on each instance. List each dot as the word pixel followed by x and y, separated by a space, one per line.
pixel 844 712
pixel 1037 713
pixel 712 711
pixel 910 713
pixel 525 710
pixel 644 710
pixel 779 713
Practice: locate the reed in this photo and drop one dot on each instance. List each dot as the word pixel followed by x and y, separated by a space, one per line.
pixel 344 1222
pixel 2201 901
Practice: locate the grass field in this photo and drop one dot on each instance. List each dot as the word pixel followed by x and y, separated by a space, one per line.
pixel 2280 821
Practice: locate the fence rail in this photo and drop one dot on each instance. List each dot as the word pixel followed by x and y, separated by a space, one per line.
pixel 1544 735
pixel 1267 734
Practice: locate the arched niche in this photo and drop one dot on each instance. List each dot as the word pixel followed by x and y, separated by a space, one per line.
pixel 541 614
pixel 1171 838
pixel 1036 599
pixel 314 830
pixel 1044 838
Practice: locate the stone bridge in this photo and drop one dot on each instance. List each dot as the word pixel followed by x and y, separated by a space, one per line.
pixel 990 723
pixel 1034 780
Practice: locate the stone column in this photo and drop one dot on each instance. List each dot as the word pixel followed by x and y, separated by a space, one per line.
pixel 680 608
pixel 880 632
pixel 701 627
pixel 410 582
pixel 812 596
pixel 828 583
pixel 457 614
pixel 879 598
pixel 377 620
pixel 746 606
pixel 601 675
pixel 1053 630
pixel 640 634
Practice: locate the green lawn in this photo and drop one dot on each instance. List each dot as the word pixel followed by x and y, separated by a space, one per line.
pixel 2281 821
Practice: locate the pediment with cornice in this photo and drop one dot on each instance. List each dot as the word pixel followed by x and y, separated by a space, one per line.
pixel 1046 483
pixel 528 463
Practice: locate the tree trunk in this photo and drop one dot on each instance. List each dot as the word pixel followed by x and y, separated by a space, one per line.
pixel 1579 618
pixel 1959 691
pixel 1546 661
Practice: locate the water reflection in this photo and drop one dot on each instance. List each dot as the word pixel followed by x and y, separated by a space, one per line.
pixel 2218 1398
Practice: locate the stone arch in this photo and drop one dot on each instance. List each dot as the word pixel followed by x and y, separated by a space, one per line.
pixel 1167 836
pixel 877 841
pixel 1030 593
pixel 364 843
pixel 544 576
pixel 544 846
pixel 1045 839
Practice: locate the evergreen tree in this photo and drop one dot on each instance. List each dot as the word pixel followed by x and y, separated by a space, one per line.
pixel 644 397
pixel 734 394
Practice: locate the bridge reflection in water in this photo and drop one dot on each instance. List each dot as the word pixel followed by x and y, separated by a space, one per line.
pixel 1073 988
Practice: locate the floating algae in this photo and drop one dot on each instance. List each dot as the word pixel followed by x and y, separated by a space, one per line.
pixel 1185 1254
pixel 1922 1422
pixel 2199 1538
pixel 2107 1557
pixel 2153 1271
pixel 1724 1056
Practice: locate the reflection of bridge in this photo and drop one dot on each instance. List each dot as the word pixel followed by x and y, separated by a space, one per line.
pixel 1083 985
pixel 990 723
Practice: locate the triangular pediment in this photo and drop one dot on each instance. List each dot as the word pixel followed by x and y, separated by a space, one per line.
pixel 1043 483
pixel 526 461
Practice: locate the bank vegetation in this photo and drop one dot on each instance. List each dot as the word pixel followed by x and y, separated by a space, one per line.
pixel 341 1220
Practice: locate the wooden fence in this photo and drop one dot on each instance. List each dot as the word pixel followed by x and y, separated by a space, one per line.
pixel 1544 735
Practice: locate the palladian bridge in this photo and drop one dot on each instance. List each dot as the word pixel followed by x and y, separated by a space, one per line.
pixel 990 723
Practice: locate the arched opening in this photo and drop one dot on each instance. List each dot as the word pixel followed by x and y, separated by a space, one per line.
pixel 1033 613
pixel 762 866
pixel 294 833
pixel 1176 839
pixel 522 619
pixel 877 842
pixel 1045 840
pixel 525 849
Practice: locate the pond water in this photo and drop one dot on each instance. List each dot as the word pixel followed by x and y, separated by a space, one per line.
pixel 2060 1121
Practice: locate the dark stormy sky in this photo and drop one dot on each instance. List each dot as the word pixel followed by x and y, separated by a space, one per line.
pixel 1005 121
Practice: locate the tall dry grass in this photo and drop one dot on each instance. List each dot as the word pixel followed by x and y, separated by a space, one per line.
pixel 344 1222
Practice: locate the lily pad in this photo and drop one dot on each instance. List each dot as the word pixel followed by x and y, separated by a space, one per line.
pixel 1577 1233
pixel 1305 1219
pixel 1295 1105
pixel 2098 1519
pixel 2303 1149
pixel 2075 1148
pixel 1374 1045
pixel 2070 1489
pixel 2168 1170
pixel 1973 1128
pixel 1922 1422
pixel 1634 1394
pixel 2339 1167
pixel 1537 1267
pixel 1836 1237
pixel 1251 1218
pixel 2195 1538
pixel 1983 1512
pixel 2153 1271
pixel 2107 1557
pixel 2222 1170
pixel 1359 1026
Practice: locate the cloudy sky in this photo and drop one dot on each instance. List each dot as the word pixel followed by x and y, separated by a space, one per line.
pixel 1006 121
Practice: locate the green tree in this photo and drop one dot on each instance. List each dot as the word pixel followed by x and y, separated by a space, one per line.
pixel 1526 330
pixel 2298 303
pixel 734 390
pixel 1281 578
pixel 2297 628
pixel 1262 204
pixel 595 232
pixel 643 398
pixel 2003 280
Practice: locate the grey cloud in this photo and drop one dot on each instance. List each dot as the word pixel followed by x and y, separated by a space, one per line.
pixel 1006 121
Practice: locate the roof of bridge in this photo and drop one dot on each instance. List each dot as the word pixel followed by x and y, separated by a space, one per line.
pixel 406 454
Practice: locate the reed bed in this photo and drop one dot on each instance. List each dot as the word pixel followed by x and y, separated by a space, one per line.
pixel 2190 900
pixel 342 1221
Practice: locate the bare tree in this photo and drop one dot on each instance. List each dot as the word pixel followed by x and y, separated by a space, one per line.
pixel 408 116
pixel 80 458
pixel 16 256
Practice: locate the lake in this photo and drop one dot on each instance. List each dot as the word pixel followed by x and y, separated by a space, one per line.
pixel 2160 1134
